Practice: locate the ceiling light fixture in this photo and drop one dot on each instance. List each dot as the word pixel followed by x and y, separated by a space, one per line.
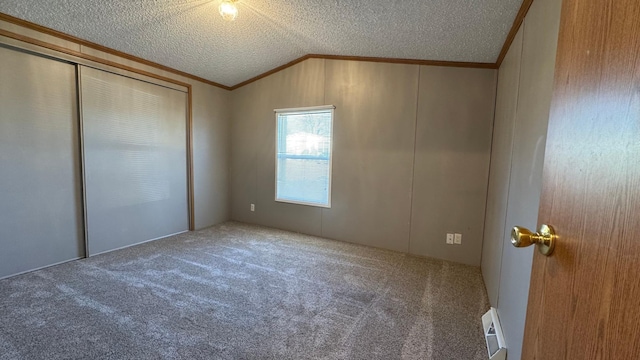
pixel 228 10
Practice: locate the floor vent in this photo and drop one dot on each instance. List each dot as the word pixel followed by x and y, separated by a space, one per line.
pixel 496 347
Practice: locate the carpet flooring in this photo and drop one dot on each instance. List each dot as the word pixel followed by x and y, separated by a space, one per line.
pixel 237 291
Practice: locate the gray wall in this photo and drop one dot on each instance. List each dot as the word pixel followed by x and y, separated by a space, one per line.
pixel 500 171
pixel 453 144
pixel 211 152
pixel 253 146
pixel 373 152
pixel 523 146
pixel 411 154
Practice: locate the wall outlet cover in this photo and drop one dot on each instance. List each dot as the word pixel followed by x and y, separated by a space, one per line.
pixel 253 207
pixel 449 238
pixel 457 239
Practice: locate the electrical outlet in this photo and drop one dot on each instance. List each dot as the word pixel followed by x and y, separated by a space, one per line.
pixel 457 239
pixel 449 238
pixel 253 207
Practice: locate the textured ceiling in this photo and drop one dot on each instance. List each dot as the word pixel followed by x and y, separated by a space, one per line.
pixel 190 35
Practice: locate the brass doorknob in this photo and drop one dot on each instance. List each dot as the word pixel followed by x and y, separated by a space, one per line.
pixel 545 238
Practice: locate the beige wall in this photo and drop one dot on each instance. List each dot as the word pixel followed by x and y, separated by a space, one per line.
pixel 411 154
pixel 211 115
pixel 522 115
pixel 500 172
pixel 211 152
pixel 253 146
pixel 453 145
pixel 374 129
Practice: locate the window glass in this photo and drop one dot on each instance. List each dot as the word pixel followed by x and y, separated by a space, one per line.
pixel 303 156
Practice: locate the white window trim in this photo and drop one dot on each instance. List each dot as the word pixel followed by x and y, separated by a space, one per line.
pixel 302 110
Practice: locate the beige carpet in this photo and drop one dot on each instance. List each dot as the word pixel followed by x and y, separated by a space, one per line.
pixel 237 291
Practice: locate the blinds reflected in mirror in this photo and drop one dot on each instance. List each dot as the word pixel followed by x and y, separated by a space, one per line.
pixel 135 156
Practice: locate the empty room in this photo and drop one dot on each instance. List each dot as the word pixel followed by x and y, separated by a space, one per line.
pixel 343 179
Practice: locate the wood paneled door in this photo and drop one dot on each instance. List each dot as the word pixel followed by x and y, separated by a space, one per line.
pixel 584 300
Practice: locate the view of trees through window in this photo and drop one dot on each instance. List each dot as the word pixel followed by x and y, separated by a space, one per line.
pixel 304 157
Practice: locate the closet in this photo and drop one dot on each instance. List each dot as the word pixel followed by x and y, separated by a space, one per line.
pixel 90 161
pixel 135 157
pixel 40 179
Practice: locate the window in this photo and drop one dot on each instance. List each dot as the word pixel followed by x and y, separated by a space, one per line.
pixel 303 155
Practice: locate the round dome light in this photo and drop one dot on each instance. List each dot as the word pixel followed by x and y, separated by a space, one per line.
pixel 228 10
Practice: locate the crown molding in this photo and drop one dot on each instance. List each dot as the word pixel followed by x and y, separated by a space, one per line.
pixel 517 23
pixel 71 38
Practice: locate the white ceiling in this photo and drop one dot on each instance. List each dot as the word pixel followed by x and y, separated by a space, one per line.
pixel 190 35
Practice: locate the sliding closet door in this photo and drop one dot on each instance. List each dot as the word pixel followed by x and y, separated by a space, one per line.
pixel 135 155
pixel 40 186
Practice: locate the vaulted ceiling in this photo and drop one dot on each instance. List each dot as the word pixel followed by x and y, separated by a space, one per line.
pixel 191 36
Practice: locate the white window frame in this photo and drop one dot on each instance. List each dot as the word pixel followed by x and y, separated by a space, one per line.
pixel 304 110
